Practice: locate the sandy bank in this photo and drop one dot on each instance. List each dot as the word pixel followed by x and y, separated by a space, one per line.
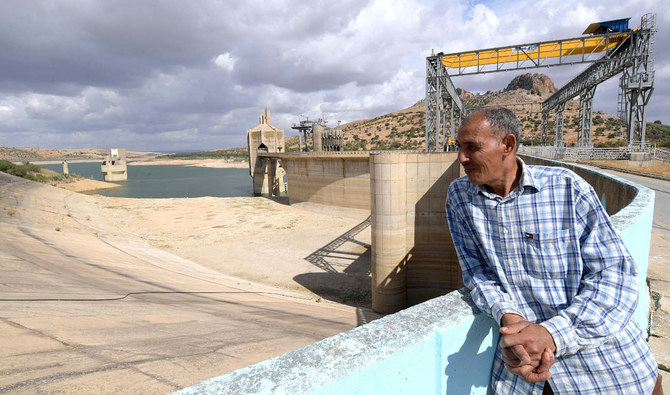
pixel 258 239
pixel 85 185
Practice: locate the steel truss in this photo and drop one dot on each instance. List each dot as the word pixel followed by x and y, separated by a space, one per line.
pixel 558 125
pixel 545 125
pixel 585 118
pixel 635 56
pixel 444 109
pixel 529 56
pixel 630 53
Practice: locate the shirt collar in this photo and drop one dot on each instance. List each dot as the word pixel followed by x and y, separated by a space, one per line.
pixel 527 180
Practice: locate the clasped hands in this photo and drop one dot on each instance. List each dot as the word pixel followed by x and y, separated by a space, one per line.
pixel 527 348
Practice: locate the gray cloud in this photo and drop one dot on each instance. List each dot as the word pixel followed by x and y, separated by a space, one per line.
pixel 176 75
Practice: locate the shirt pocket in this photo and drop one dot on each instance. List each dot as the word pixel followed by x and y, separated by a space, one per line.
pixel 545 254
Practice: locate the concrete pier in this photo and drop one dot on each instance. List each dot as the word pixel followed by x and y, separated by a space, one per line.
pixel 114 166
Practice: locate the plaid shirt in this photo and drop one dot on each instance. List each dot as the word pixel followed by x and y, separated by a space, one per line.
pixel 548 252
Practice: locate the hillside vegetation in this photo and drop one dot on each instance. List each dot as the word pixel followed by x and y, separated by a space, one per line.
pixel 30 171
pixel 405 129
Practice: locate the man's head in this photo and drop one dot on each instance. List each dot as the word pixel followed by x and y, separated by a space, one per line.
pixel 488 142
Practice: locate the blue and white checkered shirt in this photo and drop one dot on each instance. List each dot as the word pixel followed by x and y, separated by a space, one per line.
pixel 548 252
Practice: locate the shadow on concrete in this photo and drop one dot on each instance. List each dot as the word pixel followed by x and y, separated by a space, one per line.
pixel 345 276
pixel 279 199
pixel 431 266
pixel 473 354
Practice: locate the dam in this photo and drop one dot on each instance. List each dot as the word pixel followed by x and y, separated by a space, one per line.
pixel 413 260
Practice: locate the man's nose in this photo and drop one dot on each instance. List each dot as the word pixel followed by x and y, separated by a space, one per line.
pixel 462 157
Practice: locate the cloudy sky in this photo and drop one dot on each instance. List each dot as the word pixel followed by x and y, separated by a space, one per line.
pixel 175 75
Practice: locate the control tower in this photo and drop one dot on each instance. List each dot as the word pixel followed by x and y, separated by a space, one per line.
pixel 267 174
pixel 114 166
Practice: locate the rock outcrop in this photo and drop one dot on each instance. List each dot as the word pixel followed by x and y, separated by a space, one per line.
pixel 535 84
pixel 463 94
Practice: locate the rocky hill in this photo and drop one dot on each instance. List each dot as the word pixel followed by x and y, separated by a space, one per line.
pixel 535 84
pixel 405 129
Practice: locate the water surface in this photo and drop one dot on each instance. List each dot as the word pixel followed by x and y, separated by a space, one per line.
pixel 168 181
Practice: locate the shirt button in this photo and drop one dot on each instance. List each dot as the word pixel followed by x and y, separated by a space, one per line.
pixel 505 230
pixel 534 392
pixel 551 245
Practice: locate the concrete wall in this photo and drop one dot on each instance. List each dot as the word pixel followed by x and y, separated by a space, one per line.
pixel 413 257
pixel 329 178
pixel 438 347
pixel 616 193
pixel 444 345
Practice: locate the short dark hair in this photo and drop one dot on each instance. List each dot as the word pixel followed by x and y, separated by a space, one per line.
pixel 502 121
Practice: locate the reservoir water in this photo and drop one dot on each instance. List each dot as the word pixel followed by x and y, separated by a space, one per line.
pixel 168 181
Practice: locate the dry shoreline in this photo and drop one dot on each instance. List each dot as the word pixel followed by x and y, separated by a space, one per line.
pixel 90 305
pixel 226 234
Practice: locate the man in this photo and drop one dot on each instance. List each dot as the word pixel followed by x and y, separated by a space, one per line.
pixel 539 255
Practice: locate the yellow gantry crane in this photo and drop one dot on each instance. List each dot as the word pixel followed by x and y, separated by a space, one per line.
pixel 604 36
pixel 627 51
pixel 534 53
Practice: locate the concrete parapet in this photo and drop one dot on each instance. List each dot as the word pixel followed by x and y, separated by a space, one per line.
pixel 427 349
pixel 615 193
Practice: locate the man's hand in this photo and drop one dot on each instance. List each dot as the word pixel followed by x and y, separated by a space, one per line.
pixel 527 348
pixel 537 374
pixel 515 355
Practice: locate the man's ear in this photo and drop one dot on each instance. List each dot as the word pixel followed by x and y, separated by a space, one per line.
pixel 510 143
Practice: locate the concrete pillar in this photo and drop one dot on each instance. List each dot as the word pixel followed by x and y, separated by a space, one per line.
pixel 260 177
pixel 317 135
pixel 389 252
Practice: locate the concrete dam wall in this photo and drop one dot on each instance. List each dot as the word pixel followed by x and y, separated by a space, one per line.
pixel 413 257
pixel 444 345
pixel 339 179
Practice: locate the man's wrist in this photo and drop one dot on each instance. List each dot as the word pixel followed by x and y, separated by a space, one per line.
pixel 562 334
pixel 552 343
pixel 510 318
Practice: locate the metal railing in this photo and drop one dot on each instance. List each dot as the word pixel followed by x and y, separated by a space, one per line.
pixel 578 153
pixel 660 154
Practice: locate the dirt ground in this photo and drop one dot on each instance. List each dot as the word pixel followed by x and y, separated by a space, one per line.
pixel 257 239
pixel 111 295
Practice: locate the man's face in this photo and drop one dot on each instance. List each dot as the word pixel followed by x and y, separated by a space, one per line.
pixel 481 152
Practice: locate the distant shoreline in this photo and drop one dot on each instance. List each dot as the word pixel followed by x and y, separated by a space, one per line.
pixel 57 162
pixel 214 163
